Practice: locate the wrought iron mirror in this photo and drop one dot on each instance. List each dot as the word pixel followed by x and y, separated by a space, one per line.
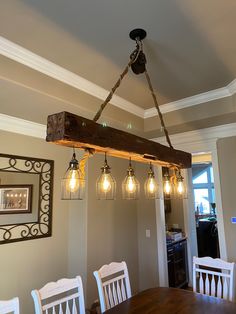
pixel 26 186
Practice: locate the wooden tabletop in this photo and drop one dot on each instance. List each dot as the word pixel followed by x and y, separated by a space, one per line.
pixel 173 301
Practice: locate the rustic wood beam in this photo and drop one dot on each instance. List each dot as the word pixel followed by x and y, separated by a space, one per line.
pixel 68 129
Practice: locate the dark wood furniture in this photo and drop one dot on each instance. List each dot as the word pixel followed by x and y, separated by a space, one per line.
pixel 177 264
pixel 173 301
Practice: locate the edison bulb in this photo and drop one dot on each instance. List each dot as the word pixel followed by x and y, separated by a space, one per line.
pixel 167 187
pixel 130 186
pixel 72 180
pixel 180 187
pixel 106 182
pixel 151 185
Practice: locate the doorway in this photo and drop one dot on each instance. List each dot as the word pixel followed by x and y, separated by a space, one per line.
pixel 205 207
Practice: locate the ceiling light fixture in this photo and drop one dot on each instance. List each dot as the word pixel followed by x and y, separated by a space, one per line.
pixel 68 129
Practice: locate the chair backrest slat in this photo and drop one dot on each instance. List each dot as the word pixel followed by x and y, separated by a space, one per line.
pixel 215 277
pixel 213 286
pixel 64 297
pixel 113 284
pixel 207 285
pixel 225 289
pixel 10 306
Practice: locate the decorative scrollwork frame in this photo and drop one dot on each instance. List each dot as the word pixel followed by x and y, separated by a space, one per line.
pixel 43 226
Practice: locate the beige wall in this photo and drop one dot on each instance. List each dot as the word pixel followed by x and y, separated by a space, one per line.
pixel 30 264
pixel 86 234
pixel 147 247
pixel 112 227
pixel 176 216
pixel 226 149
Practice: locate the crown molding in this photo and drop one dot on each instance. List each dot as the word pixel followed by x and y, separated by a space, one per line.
pixel 218 93
pixel 21 126
pixel 201 140
pixel 33 61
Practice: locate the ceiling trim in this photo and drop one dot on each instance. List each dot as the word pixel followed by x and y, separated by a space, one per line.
pixel 21 126
pixel 34 61
pixel 201 140
pixel 218 93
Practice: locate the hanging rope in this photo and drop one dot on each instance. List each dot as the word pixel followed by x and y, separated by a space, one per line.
pixel 158 109
pixel 88 153
pixel 133 58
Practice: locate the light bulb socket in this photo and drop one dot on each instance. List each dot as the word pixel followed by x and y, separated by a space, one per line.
pixel 179 177
pixel 73 165
pixel 166 177
pixel 130 172
pixel 106 169
pixel 151 172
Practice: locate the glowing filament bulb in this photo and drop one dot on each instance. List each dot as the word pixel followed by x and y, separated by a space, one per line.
pixel 73 180
pixel 106 183
pixel 131 187
pixel 180 187
pixel 167 187
pixel 151 185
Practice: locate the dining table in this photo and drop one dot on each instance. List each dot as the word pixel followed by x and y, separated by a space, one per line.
pixel 162 300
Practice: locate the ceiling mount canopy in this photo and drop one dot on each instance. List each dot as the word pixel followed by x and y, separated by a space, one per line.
pixel 68 129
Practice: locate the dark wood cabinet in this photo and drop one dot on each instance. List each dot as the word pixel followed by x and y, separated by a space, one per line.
pixel 177 264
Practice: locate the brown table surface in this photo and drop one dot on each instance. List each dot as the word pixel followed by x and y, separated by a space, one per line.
pixel 173 301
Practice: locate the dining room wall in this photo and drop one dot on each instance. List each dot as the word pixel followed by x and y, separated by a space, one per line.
pixel 226 149
pixel 147 235
pixel 30 264
pixel 112 227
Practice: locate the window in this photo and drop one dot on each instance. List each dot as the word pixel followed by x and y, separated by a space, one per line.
pixel 203 186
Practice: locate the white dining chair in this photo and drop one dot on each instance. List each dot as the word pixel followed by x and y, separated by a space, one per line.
pixel 10 306
pixel 213 277
pixel 113 284
pixel 63 296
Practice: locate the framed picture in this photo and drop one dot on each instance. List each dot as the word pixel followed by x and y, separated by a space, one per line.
pixel 15 199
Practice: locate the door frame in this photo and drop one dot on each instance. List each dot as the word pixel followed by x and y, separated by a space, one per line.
pixel 194 142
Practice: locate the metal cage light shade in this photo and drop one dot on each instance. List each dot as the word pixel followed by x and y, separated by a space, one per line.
pixel 180 188
pixel 130 185
pixel 151 186
pixel 106 184
pixel 72 184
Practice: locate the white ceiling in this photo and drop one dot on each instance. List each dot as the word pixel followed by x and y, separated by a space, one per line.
pixel 190 45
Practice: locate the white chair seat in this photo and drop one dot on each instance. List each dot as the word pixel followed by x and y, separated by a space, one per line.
pixel 113 285
pixel 64 296
pixel 10 306
pixel 213 277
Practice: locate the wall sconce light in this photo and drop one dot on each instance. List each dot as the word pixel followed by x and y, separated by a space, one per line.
pixel 106 184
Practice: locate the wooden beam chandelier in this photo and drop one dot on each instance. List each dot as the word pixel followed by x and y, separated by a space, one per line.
pixel 67 129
